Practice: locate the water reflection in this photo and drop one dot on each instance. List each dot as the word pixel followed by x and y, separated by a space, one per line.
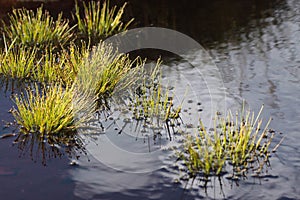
pixel 262 68
pixel 42 150
pixel 38 148
pixel 120 158
pixel 255 44
pixel 257 55
pixel 209 22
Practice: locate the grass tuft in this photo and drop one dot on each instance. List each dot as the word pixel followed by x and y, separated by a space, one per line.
pixel 17 62
pixel 20 62
pixel 237 142
pixel 151 104
pixel 99 21
pixel 38 29
pixel 52 110
pixel 105 71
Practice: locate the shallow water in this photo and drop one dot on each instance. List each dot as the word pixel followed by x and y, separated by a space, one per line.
pixel 255 47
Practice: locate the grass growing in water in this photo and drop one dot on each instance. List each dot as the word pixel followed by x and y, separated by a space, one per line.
pixel 77 75
pixel 49 118
pixel 236 142
pixel 32 37
pixel 101 69
pixel 151 105
pixel 17 62
pixel 52 110
pixel 20 62
pixel 99 22
pixel 37 29
pixel 104 71
pixel 97 72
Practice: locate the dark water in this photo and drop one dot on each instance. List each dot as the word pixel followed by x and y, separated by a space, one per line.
pixel 254 44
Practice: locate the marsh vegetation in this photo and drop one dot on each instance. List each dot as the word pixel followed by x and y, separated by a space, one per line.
pixel 67 78
pixel 237 145
pixel 71 75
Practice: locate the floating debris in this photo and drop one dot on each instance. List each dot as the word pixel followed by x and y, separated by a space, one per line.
pixel 74 163
pixel 7 135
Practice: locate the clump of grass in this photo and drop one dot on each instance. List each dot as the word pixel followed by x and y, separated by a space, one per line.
pixel 49 118
pixel 20 62
pixel 51 110
pixel 205 154
pixel 99 21
pixel 17 62
pixel 61 67
pixel 237 142
pixel 38 29
pixel 73 82
pixel 104 70
pixel 34 36
pixel 97 72
pixel 151 104
pixel 51 68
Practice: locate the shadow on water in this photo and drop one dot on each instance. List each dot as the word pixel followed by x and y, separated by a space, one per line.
pixel 208 22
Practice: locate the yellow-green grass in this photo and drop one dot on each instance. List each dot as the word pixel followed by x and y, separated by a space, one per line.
pixel 73 83
pixel 97 73
pixel 38 29
pixel 32 37
pixel 20 62
pixel 152 104
pixel 105 71
pixel 237 142
pixel 101 69
pixel 99 21
pixel 61 67
pixel 52 110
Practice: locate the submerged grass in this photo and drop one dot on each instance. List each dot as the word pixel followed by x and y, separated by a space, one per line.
pixel 38 29
pixel 151 104
pixel 99 21
pixel 237 142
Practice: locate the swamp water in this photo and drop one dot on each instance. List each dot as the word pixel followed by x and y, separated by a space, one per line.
pixel 255 47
